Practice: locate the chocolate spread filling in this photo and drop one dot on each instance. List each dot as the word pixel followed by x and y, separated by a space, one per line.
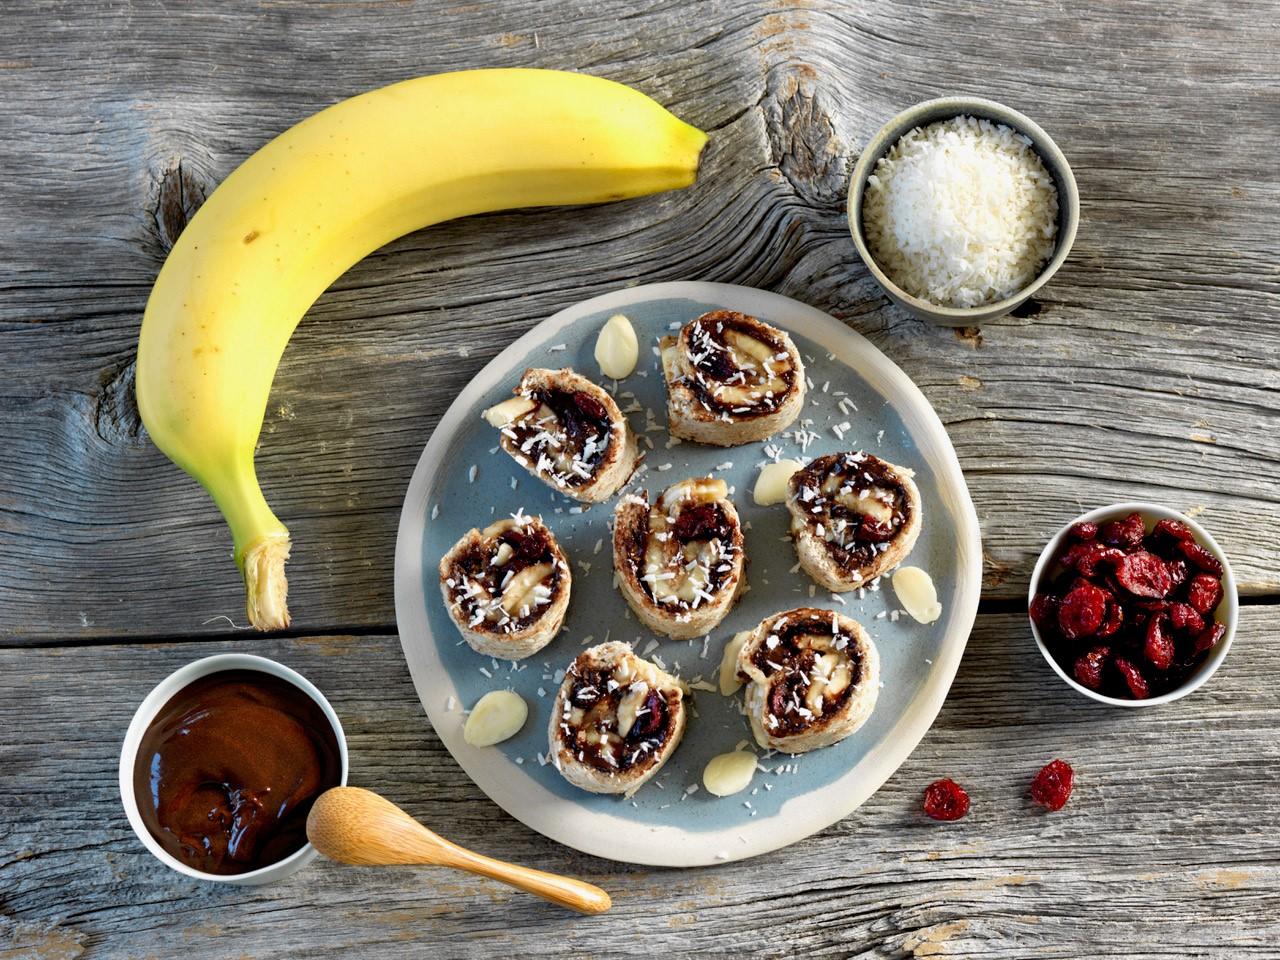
pixel 591 692
pixel 712 358
pixel 582 426
pixel 859 537
pixel 530 544
pixel 789 666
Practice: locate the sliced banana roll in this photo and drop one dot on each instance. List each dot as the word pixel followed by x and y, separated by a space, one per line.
pixel 507 587
pixel 568 433
pixel 679 562
pixel 616 719
pixel 813 677
pixel 853 517
pixel 731 379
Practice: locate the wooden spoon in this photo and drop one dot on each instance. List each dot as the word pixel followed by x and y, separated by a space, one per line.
pixel 352 825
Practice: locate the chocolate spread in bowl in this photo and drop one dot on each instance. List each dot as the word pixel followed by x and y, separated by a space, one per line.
pixel 228 769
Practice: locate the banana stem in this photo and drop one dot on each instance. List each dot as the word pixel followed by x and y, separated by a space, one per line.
pixel 261 542
pixel 266 589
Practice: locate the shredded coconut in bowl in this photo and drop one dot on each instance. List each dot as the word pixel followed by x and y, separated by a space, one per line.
pixel 961 212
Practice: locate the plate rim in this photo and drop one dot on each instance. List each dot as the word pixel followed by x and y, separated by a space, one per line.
pixel 671 846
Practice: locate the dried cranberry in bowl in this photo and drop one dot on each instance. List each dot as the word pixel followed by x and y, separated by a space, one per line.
pixel 1127 608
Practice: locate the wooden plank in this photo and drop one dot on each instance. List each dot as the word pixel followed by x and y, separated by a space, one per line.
pixel 1148 370
pixel 1167 848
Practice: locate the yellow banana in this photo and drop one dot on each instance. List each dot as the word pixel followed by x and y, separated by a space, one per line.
pixel 294 216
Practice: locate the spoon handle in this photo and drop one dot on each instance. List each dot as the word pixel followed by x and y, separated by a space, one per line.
pixel 565 891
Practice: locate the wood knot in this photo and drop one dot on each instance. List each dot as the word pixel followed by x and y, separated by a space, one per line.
pixel 802 138
pixel 179 191
pixel 116 417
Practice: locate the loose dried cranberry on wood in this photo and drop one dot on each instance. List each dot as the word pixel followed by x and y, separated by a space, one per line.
pixel 1088 667
pixel 1082 611
pixel 1204 592
pixel 1199 557
pixel 1211 637
pixel 945 800
pixel 1133 678
pixel 1159 645
pixel 1144 575
pixel 1052 786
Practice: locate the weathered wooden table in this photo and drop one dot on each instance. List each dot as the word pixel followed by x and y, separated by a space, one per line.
pixel 1148 369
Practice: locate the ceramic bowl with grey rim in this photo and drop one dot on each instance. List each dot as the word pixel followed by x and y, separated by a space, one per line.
pixel 932 111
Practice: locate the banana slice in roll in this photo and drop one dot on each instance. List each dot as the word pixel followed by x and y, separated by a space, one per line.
pixel 568 433
pixel 853 517
pixel 812 679
pixel 679 562
pixel 616 720
pixel 731 379
pixel 507 587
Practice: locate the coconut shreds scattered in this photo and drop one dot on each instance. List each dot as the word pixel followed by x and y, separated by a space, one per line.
pixel 961 212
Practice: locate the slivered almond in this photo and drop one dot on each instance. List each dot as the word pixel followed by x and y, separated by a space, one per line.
pixel 729 773
pixel 616 348
pixel 497 716
pixel 771 485
pixel 917 593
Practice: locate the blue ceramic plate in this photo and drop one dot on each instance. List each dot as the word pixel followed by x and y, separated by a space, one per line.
pixel 464 481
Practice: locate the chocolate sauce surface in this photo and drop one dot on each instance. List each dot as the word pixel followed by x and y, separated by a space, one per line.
pixel 229 768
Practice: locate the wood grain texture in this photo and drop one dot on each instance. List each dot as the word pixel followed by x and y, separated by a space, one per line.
pixel 1147 369
pixel 1168 847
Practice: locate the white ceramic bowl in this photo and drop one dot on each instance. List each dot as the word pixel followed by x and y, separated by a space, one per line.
pixel 1227 612
pixel 161 695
